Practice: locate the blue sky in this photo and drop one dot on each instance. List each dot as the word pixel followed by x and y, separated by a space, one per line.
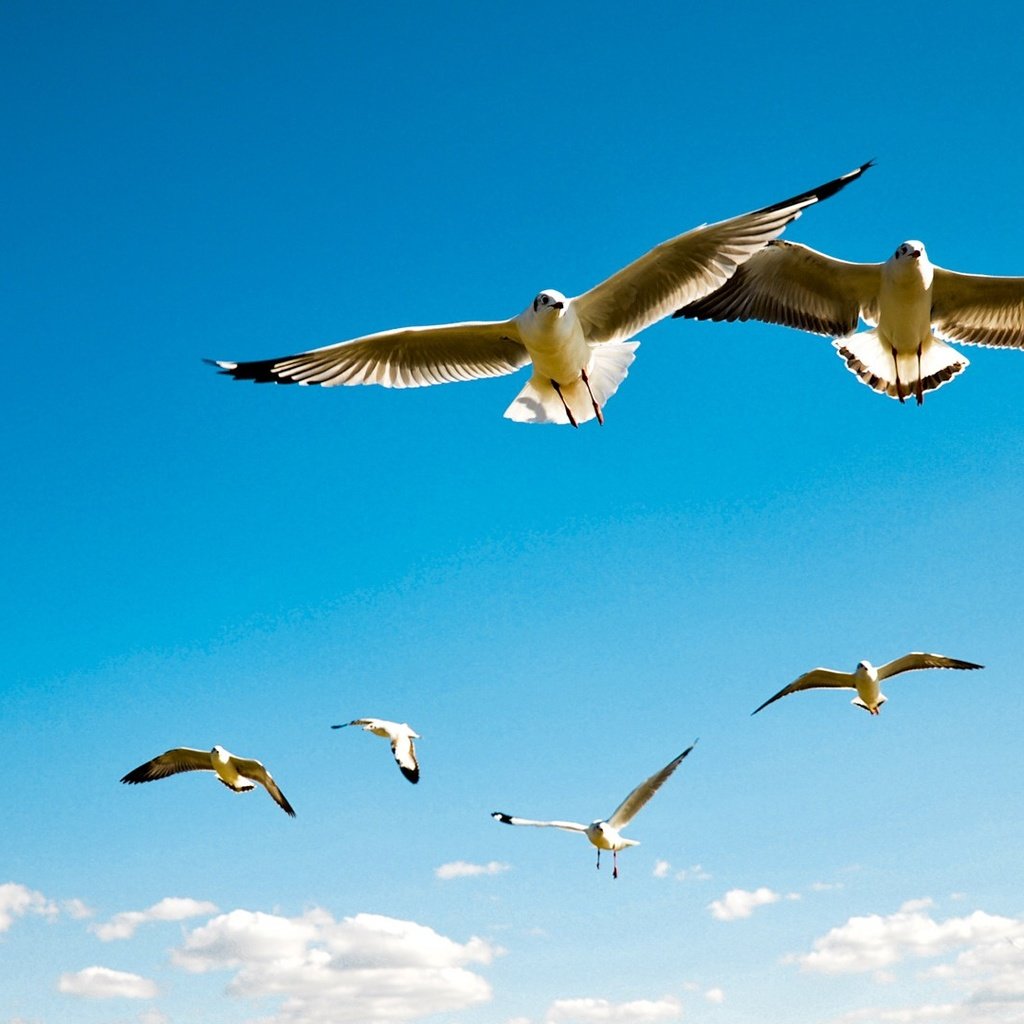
pixel 559 613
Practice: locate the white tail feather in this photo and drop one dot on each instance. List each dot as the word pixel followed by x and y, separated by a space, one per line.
pixel 867 356
pixel 538 402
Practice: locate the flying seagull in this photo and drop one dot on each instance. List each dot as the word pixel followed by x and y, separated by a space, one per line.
pixel 580 348
pixel 239 774
pixel 607 835
pixel 401 737
pixel 907 301
pixel 865 678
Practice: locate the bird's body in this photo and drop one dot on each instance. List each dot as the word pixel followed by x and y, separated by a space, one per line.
pixel 866 678
pixel 606 834
pixel 400 736
pixel 911 305
pixel 580 348
pixel 239 774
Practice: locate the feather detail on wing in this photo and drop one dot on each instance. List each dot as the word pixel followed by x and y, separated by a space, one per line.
pixel 629 807
pixel 793 285
pixel 180 759
pixel 978 310
pixel 816 679
pixel 686 268
pixel 917 660
pixel 507 819
pixel 254 770
pixel 409 357
pixel 405 757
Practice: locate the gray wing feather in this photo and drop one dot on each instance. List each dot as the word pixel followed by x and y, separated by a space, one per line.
pixel 688 267
pixel 508 819
pixel 793 285
pixel 816 679
pixel 918 660
pixel 172 762
pixel 254 770
pixel 410 357
pixel 629 807
pixel 977 310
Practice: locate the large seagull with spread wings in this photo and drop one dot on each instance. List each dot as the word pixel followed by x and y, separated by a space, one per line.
pixel 907 301
pixel 579 348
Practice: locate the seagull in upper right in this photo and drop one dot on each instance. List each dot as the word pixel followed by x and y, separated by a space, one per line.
pixel 401 737
pixel 908 301
pixel 865 678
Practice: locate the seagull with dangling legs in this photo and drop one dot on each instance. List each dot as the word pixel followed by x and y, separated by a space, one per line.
pixel 400 736
pixel 908 302
pixel 607 834
pixel 865 678
pixel 580 349
pixel 239 774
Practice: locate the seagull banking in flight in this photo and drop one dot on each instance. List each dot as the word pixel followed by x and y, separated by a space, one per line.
pixel 401 737
pixel 904 300
pixel 239 774
pixel 865 678
pixel 606 835
pixel 580 348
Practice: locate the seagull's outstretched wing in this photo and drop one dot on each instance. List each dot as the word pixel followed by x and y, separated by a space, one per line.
pixel 917 660
pixel 688 267
pixel 405 756
pixel 793 285
pixel 357 721
pixel 569 826
pixel 180 759
pixel 978 310
pixel 254 770
pixel 627 810
pixel 410 357
pixel 816 679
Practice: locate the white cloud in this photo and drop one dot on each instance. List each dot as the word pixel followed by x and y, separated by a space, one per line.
pixel 77 909
pixel 463 869
pixel 104 983
pixel 662 869
pixel 872 942
pixel 826 886
pixel 601 1011
pixel 359 969
pixel 715 995
pixel 737 903
pixel 18 900
pixel 986 972
pixel 172 908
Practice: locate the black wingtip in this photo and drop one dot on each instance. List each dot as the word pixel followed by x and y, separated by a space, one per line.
pixel 830 188
pixel 412 774
pixel 504 818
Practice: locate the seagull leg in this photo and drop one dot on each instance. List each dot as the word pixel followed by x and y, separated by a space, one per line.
pixel 565 404
pixel 593 400
pixel 919 389
pixel 615 863
pixel 599 858
pixel 896 365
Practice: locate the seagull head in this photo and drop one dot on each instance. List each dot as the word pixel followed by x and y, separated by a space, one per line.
pixel 549 302
pixel 909 250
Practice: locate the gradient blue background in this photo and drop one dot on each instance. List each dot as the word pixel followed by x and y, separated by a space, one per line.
pixel 193 561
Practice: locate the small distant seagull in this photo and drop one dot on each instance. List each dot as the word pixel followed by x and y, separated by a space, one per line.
pixel 865 678
pixel 904 300
pixel 234 772
pixel 401 737
pixel 580 348
pixel 606 835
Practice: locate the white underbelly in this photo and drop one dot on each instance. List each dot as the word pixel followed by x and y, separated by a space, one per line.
pixel 904 318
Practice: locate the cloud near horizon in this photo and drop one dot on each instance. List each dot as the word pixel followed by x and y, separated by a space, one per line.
pixel 601 1011
pixel 362 969
pixel 740 903
pixel 171 908
pixel 105 983
pixel 18 900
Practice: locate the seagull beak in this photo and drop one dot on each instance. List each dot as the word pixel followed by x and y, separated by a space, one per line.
pixel 558 305
pixel 916 254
